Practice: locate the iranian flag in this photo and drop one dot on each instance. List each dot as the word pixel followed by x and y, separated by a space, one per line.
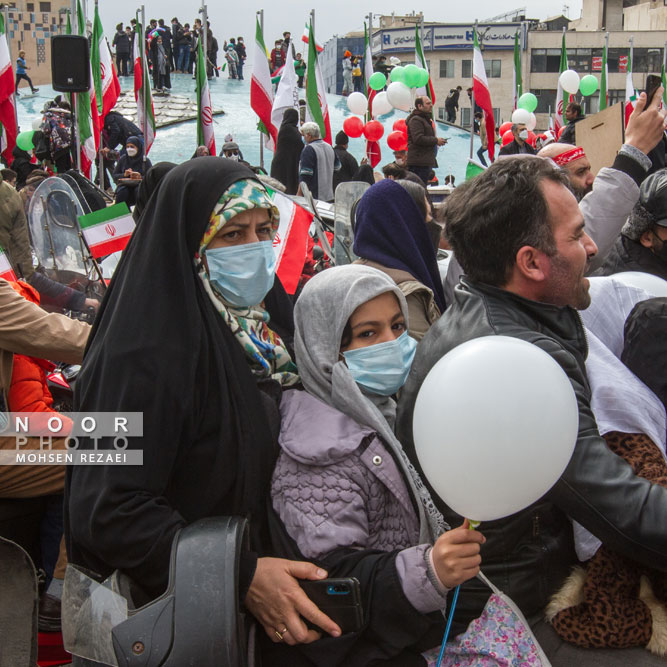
pixel 142 90
pixel 630 94
pixel 480 89
pixel 664 83
pixel 107 230
pixel 6 270
pixel 261 90
pixel 291 240
pixel 205 135
pixel 558 122
pixel 305 38
pixel 604 77
pixel 420 61
pixel 517 85
pixel 287 94
pixel 7 111
pixel 317 109
pixel 373 151
pixel 86 113
pixel 107 86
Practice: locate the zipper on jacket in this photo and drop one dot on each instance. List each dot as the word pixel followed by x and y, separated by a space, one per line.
pixel 583 328
pixel 536 525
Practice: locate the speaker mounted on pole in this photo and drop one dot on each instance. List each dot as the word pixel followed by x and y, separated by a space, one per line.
pixel 70 64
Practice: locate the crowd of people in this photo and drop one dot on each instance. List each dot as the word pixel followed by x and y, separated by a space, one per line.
pixel 174 49
pixel 297 410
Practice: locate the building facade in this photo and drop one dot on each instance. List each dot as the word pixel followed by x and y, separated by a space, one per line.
pixel 30 28
pixel 331 59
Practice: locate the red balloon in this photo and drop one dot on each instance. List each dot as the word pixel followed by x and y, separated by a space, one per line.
pixel 505 127
pixel 373 130
pixel 507 137
pixel 532 138
pixel 396 141
pixel 353 127
pixel 400 126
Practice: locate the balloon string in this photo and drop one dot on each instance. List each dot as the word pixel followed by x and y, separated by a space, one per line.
pixel 449 625
pixel 472 525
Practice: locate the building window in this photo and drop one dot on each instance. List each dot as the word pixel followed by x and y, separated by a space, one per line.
pixel 44 6
pixel 647 60
pixel 546 100
pixel 442 112
pixel 447 69
pixel 466 69
pixel 545 60
pixel 465 116
pixel 30 7
pixel 579 59
pixel 492 68
pixel 616 96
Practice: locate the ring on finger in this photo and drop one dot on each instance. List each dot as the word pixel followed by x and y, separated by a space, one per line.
pixel 280 633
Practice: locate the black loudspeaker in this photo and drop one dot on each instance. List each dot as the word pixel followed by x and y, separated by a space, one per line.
pixel 70 64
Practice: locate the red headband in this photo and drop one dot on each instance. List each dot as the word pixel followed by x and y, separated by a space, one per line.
pixel 569 156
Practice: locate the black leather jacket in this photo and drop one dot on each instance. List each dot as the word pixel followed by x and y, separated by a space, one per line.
pixel 629 255
pixel 529 554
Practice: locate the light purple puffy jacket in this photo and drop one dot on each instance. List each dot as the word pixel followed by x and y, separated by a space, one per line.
pixel 336 485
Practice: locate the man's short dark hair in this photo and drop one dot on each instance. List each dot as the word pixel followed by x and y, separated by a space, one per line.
pixel 393 170
pixel 574 106
pixel 419 101
pixel 9 175
pixel 490 217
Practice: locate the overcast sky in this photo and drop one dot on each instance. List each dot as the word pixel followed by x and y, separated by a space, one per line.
pixel 237 17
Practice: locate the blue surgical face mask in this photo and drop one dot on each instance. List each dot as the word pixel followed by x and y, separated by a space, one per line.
pixel 382 368
pixel 242 274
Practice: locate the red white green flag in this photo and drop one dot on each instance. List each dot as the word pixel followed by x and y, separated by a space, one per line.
pixel 317 109
pixel 306 38
pixel 480 87
pixel 261 90
pixel 291 240
pixel 86 113
pixel 420 61
pixel 142 90
pixel 205 134
pixel 373 152
pixel 6 270
pixel 107 86
pixel 107 230
pixel 7 111
pixel 558 120
pixel 630 93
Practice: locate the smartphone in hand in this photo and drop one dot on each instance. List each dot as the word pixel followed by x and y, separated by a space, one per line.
pixel 339 599
pixel 653 82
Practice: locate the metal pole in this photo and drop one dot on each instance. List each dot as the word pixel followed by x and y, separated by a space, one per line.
pixel 472 98
pixel 77 143
pixel 100 155
pixel 145 84
pixel 312 20
pixel 261 138
pixel 204 36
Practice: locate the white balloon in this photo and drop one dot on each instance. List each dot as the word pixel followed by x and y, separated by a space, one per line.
pixel 654 285
pixel 399 96
pixel 532 122
pixel 37 124
pixel 495 425
pixel 569 81
pixel 520 117
pixel 381 104
pixel 357 103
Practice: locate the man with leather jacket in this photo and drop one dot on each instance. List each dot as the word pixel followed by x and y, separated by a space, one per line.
pixel 519 234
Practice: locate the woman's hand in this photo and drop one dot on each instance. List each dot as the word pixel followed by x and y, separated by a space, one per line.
pixel 456 555
pixel 277 601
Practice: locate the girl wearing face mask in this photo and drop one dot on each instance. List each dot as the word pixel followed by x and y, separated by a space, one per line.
pixel 130 166
pixel 191 333
pixel 343 487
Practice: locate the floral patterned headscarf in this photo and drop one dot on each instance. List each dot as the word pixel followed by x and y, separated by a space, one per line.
pixel 264 349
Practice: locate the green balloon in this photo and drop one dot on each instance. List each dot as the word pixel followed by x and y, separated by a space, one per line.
pixel 398 74
pixel 588 84
pixel 24 140
pixel 528 101
pixel 423 77
pixel 412 76
pixel 378 81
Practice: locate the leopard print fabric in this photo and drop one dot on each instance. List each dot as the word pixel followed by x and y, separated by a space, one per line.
pixel 606 610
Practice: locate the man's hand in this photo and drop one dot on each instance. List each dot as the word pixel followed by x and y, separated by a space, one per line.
pixel 441 141
pixel 128 173
pixel 277 601
pixel 456 555
pixel 646 125
pixel 364 160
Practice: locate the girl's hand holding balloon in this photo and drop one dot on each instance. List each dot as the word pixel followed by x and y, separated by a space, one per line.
pixel 456 555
